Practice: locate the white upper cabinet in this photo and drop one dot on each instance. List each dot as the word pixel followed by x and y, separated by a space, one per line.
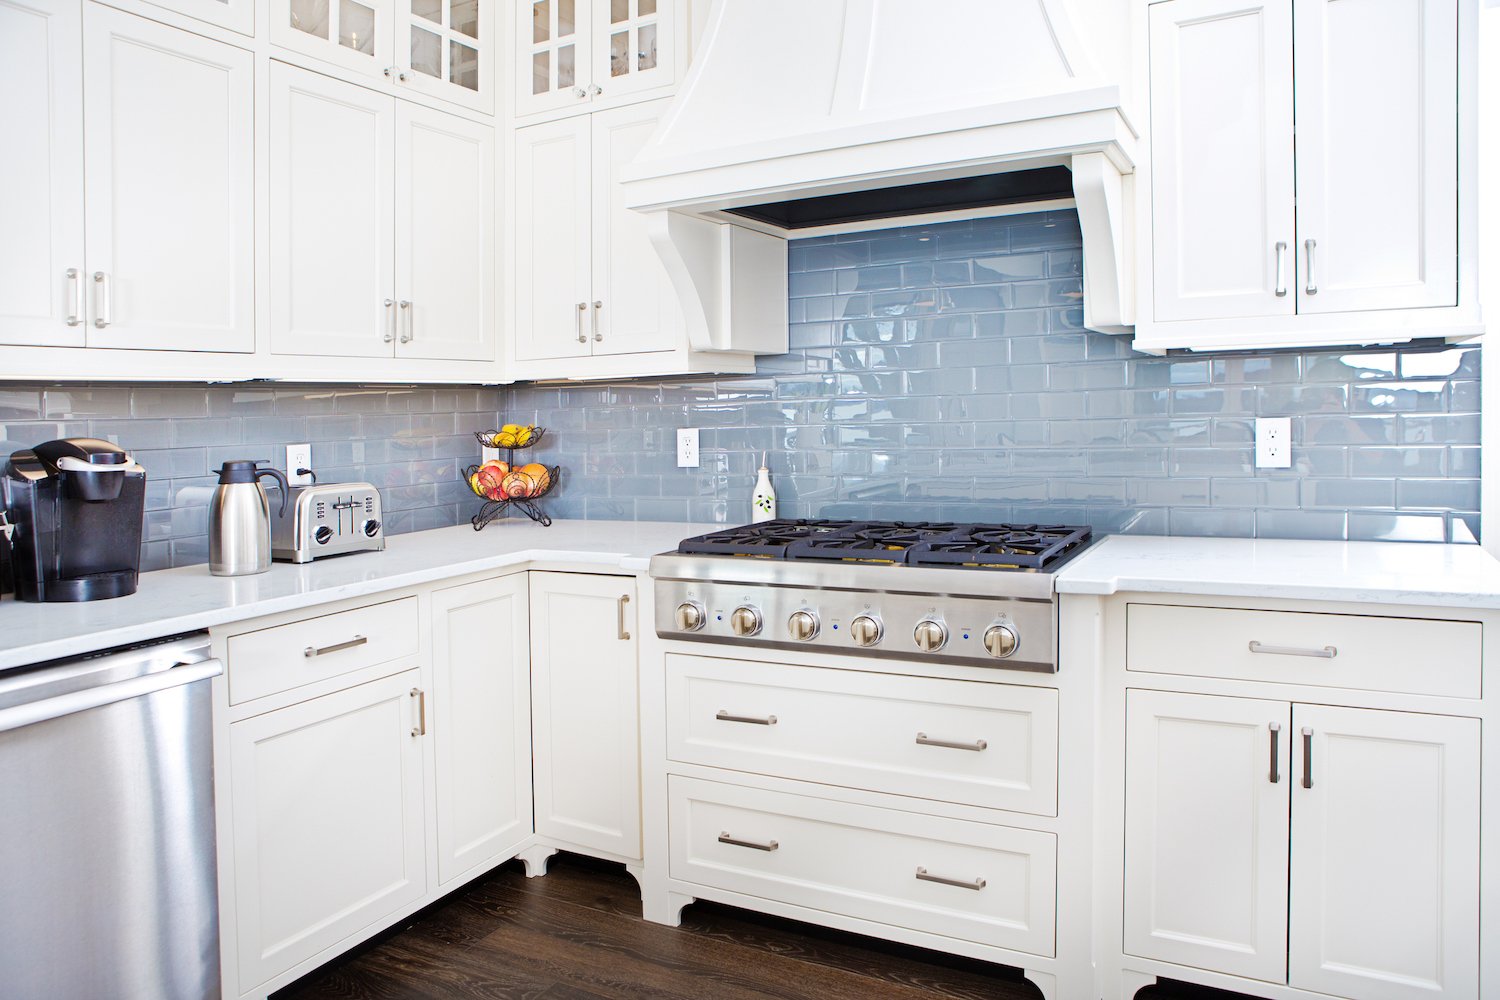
pixel 440 48
pixel 42 283
pixel 332 194
pixel 169 187
pixel 1308 176
pixel 1222 179
pixel 582 55
pixel 445 235
pixel 382 225
pixel 1377 147
pixel 553 235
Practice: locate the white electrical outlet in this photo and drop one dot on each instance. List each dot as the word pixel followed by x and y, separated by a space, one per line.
pixel 489 455
pixel 299 456
pixel 1273 442
pixel 687 447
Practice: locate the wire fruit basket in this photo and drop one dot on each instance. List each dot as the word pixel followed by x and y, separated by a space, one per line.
pixel 519 487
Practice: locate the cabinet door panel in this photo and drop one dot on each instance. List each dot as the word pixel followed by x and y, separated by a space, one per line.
pixel 1222 161
pixel 445 235
pixel 355 34
pixel 634 45
pixel 481 722
pixel 553 58
pixel 41 173
pixel 1377 153
pixel 332 196
pixel 328 821
pixel 552 240
pixel 1385 854
pixel 446 49
pixel 585 711
pixel 1206 832
pixel 639 310
pixel 169 186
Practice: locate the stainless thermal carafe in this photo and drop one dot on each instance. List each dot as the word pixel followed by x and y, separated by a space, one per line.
pixel 239 520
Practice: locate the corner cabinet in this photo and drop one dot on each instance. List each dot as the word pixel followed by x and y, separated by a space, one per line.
pixel 1342 228
pixel 84 266
pixel 585 728
pixel 576 56
pixel 382 225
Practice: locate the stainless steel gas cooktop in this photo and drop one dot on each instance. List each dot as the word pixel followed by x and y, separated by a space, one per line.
pixel 978 594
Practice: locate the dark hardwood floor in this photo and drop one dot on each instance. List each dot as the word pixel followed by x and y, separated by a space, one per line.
pixel 577 934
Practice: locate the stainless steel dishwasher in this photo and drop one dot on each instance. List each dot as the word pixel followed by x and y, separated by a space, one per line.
pixel 107 874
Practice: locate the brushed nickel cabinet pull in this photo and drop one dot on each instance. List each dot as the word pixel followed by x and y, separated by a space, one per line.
pixel 1312 281
pixel 598 305
pixel 766 720
pixel 420 729
pixel 406 333
pixel 358 640
pixel 624 600
pixel 1275 728
pixel 928 741
pixel 770 845
pixel 974 883
pixel 390 315
pixel 75 281
pixel 104 304
pixel 1307 735
pixel 1326 653
pixel 1281 269
pixel 583 307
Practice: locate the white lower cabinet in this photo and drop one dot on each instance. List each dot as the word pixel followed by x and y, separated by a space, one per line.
pixel 1350 834
pixel 481 723
pixel 328 813
pixel 585 720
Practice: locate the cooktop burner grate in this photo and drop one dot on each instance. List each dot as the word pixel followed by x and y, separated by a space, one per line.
pixel 1005 546
pixel 767 540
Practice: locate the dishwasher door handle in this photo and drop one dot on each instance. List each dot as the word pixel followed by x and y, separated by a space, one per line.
pixel 107 694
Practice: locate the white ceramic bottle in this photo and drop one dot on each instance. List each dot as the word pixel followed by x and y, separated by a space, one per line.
pixel 763 500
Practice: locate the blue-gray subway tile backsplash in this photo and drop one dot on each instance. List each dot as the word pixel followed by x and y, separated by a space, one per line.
pixel 935 371
pixel 942 370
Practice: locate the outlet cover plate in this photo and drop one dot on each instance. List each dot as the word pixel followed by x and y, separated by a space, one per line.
pixel 298 456
pixel 1273 442
pixel 687 447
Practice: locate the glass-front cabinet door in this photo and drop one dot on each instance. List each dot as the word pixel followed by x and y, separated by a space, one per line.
pixel 552 55
pixel 352 33
pixel 637 46
pixel 445 48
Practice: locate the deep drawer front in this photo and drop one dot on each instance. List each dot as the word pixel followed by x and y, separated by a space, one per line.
pixel 992 885
pixel 1407 655
pixel 288 656
pixel 984 744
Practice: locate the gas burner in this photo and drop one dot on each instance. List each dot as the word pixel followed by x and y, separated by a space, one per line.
pixel 1004 546
pixel 767 540
pixel 880 542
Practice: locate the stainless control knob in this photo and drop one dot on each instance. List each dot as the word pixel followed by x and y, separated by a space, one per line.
pixel 323 535
pixel 689 616
pixel 1001 640
pixel 866 630
pixel 745 620
pixel 802 626
pixel 372 528
pixel 930 636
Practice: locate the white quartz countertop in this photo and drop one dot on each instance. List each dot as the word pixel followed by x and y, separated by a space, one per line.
pixel 1456 576
pixel 189 598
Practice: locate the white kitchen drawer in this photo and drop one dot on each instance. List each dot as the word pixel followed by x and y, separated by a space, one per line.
pixel 865 862
pixel 860 730
pixel 1407 655
pixel 288 656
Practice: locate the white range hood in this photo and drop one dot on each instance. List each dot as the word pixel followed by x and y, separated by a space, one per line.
pixel 803 99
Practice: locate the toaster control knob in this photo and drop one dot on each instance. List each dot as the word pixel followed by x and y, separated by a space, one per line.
pixel 323 535
pixel 372 527
pixel 745 621
pixel 802 626
pixel 1001 640
pixel 930 636
pixel 689 616
pixel 866 630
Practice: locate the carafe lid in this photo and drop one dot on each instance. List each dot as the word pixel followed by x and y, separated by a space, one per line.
pixel 241 470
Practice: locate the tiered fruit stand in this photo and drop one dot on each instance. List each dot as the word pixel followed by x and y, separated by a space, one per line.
pixel 527 490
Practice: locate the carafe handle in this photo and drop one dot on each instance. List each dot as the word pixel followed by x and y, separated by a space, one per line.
pixel 280 479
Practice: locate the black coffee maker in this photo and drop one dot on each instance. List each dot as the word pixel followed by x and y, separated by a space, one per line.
pixel 77 507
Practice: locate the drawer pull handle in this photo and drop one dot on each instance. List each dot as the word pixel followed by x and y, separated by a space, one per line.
pixel 1326 653
pixel 420 729
pixel 1307 735
pixel 623 634
pixel 358 640
pixel 766 720
pixel 974 883
pixel 770 845
pixel 1275 728
pixel 928 741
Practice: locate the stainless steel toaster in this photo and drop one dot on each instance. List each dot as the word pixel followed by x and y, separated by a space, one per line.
pixel 327 519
